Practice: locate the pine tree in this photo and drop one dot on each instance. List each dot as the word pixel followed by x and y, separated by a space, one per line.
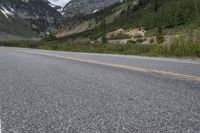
pixel 159 35
pixel 155 5
pixel 103 26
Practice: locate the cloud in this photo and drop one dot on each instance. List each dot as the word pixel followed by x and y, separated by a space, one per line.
pixel 61 3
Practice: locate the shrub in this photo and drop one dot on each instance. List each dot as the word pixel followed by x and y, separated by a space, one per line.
pixel 152 40
pixel 121 36
pixel 140 40
pixel 131 42
pixel 159 35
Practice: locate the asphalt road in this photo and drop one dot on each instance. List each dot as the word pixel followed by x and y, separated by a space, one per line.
pixel 64 92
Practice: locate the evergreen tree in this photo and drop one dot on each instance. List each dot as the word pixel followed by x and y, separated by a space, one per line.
pixel 103 27
pixel 155 5
pixel 159 35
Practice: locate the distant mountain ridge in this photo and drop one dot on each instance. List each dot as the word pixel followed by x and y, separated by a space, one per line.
pixel 38 16
pixel 84 7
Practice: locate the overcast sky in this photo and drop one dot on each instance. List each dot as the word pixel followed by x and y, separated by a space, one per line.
pixel 59 2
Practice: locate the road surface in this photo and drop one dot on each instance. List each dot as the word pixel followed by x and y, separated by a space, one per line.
pixel 65 92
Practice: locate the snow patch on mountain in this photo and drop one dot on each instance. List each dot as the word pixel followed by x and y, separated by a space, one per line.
pixel 7 12
pixel 95 11
pixel 61 3
pixel 52 5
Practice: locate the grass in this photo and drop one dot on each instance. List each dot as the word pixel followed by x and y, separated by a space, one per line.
pixel 176 48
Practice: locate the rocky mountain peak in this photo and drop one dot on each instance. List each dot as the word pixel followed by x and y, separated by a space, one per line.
pixel 83 7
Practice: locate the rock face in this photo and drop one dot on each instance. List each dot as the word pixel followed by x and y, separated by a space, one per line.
pixel 39 14
pixel 83 7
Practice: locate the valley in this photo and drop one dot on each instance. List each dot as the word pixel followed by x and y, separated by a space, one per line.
pixel 116 22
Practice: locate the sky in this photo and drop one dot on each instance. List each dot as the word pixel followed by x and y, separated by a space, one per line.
pixel 59 2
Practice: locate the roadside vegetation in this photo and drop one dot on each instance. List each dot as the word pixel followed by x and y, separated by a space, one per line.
pixel 178 47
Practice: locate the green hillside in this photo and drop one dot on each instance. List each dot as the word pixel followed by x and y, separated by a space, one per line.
pixel 149 14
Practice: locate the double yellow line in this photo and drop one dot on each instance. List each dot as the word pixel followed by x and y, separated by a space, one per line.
pixel 132 68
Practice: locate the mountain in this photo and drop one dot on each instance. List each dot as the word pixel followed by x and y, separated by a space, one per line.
pixel 108 10
pixel 27 15
pixel 131 15
pixel 84 7
pixel 12 27
pixel 84 18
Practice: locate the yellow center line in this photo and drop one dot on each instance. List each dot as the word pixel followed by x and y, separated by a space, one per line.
pixel 122 66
